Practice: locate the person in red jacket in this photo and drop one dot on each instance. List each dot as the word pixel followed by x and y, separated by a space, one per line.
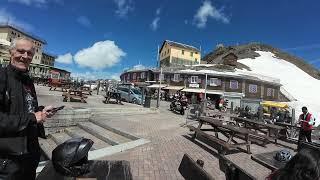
pixel 306 121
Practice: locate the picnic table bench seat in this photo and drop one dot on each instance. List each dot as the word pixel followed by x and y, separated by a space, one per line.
pixel 74 95
pixel 223 144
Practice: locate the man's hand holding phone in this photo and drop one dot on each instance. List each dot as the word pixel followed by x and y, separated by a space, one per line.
pixel 50 110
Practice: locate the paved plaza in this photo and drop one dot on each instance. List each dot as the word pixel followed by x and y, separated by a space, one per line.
pixel 169 141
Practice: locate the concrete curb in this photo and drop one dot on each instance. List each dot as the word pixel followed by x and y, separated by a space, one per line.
pixel 96 154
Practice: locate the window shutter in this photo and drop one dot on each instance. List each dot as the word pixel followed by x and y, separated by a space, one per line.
pixel 189 79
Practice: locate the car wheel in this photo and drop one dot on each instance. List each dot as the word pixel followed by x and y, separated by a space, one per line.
pixel 134 101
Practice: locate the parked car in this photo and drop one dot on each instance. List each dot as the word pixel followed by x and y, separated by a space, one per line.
pixel 135 95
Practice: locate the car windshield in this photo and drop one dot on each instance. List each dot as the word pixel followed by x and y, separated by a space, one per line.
pixel 136 91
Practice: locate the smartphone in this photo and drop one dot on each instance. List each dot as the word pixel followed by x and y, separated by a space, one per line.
pixel 56 109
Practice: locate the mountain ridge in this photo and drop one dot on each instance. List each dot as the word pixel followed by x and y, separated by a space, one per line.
pixel 249 51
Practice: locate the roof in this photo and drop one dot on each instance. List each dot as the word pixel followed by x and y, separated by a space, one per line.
pixel 179 45
pixel 23 32
pixel 54 68
pixel 48 54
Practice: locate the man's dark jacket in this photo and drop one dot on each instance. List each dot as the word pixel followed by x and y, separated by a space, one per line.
pixel 19 130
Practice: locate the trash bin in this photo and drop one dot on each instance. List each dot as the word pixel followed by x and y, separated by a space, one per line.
pixel 147 101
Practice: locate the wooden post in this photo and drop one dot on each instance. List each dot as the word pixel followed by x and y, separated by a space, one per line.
pixel 293 120
pixel 231 110
pixel 98 87
pixel 142 98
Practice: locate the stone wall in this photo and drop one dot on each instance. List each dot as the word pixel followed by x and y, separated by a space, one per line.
pixel 66 118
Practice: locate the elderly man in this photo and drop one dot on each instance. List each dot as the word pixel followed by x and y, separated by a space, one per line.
pixel 20 117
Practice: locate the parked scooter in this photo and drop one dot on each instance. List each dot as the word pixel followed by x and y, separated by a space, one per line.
pixel 179 105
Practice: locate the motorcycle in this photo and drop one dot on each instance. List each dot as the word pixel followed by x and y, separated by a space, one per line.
pixel 178 106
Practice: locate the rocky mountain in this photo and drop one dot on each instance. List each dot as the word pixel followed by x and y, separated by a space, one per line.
pixel 249 51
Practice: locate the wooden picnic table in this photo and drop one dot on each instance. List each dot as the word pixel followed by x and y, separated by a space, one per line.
pixel 114 95
pixel 225 129
pixel 86 90
pixel 73 94
pixel 260 126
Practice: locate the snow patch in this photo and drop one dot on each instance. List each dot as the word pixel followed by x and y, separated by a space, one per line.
pixel 299 84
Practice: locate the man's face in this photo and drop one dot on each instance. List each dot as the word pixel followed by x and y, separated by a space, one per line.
pixel 304 111
pixel 22 54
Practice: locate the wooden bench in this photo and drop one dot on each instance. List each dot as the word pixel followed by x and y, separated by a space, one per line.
pixel 192 170
pixel 227 130
pixel 233 171
pixel 112 95
pixel 223 145
pixel 74 95
pixel 86 90
pixel 270 130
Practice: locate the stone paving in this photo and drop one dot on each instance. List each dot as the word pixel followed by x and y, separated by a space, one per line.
pixel 160 158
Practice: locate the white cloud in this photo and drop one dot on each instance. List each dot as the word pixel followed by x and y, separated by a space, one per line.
pixel 185 21
pixel 123 7
pixel 65 59
pixel 207 10
pixel 304 47
pixel 101 55
pixel 83 20
pixel 37 3
pixel 139 66
pixel 6 17
pixel 94 75
pixel 155 23
pixel 158 11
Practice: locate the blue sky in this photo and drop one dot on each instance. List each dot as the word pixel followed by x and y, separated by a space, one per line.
pixel 100 38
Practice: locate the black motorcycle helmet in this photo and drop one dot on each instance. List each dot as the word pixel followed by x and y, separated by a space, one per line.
pixel 283 155
pixel 71 157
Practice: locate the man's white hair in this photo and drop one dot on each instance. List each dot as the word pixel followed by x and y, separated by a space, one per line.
pixel 15 40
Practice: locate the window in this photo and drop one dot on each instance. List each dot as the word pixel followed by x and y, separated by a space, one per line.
pixel 143 75
pixel 269 92
pixel 215 82
pixel 253 88
pixel 194 79
pixel 191 54
pixel 234 84
pixel 182 52
pixel 176 77
pixel 134 76
pixel 196 52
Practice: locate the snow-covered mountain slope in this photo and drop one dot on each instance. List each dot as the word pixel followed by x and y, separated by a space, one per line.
pixel 299 84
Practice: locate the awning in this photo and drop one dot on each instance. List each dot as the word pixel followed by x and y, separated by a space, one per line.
pixel 174 88
pixel 274 104
pixel 193 90
pixel 157 86
pixel 214 92
pixel 233 94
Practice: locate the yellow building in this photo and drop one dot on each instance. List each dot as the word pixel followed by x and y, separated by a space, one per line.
pixel 41 63
pixel 177 54
pixel 9 33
